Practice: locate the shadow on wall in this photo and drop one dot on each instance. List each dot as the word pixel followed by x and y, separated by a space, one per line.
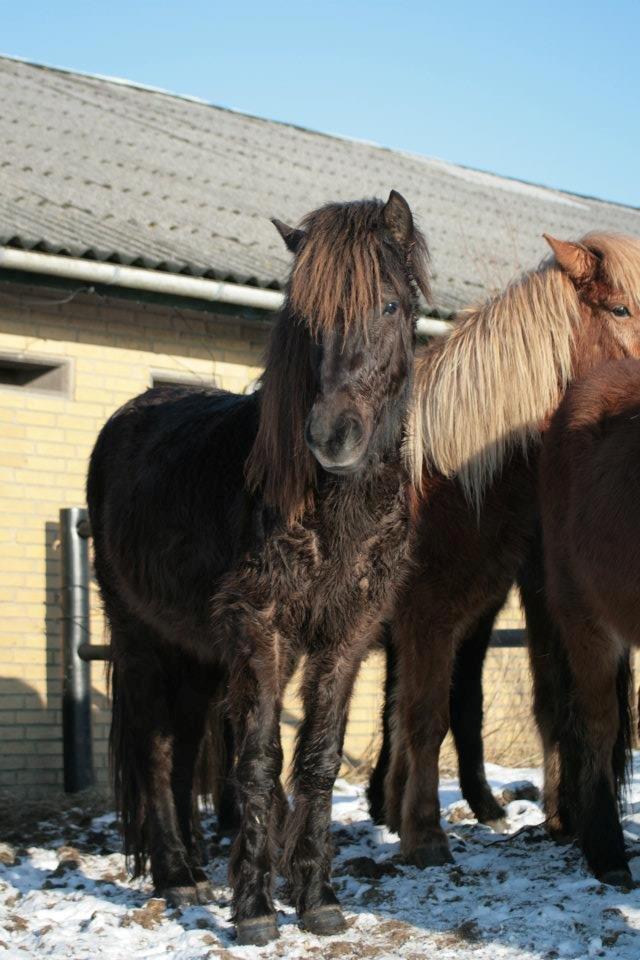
pixel 31 750
pixel 31 755
pixel 31 716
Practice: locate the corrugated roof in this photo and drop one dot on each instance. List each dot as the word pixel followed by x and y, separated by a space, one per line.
pixel 97 168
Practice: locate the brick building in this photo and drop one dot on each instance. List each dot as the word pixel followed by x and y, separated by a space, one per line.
pixel 135 248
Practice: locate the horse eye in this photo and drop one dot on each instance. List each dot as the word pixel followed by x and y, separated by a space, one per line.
pixel 390 308
pixel 620 311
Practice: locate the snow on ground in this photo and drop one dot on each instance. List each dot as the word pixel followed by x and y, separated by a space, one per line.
pixel 512 897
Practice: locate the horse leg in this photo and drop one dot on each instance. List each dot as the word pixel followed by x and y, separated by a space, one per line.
pixel 426 653
pixel 466 721
pixel 190 711
pixel 254 706
pixel 551 691
pixel 376 788
pixel 327 687
pixel 142 740
pixel 596 661
pixel 397 772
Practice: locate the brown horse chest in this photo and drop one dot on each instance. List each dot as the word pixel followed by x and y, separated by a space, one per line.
pixel 320 585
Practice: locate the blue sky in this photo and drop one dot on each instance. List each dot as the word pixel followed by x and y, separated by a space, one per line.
pixel 546 92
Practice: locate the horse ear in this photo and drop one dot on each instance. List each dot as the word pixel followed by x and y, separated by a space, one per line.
pixel 397 218
pixel 291 235
pixel 574 258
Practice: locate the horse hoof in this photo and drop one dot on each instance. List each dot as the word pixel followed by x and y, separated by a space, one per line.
pixel 488 811
pixel 434 853
pixel 205 891
pixel 256 932
pixel 430 857
pixel 618 878
pixel 324 921
pixel 180 896
pixel 498 826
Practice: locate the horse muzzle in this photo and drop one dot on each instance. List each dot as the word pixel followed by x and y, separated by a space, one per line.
pixel 338 442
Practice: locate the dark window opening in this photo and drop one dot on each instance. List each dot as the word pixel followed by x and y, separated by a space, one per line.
pixel 49 376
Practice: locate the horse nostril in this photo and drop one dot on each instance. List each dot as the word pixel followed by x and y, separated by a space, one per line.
pixel 347 432
pixel 354 430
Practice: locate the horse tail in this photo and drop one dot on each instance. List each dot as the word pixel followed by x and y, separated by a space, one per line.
pixel 126 776
pixel 624 741
pixel 214 772
pixel 129 787
pixel 212 758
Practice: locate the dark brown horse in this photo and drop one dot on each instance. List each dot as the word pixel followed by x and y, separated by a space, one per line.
pixel 589 495
pixel 490 387
pixel 234 534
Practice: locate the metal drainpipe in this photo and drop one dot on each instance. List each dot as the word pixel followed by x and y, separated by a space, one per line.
pixel 76 695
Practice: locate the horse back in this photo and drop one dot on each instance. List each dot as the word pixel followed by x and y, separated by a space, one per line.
pixel 166 495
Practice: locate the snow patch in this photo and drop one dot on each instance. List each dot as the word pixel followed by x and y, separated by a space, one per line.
pixel 507 897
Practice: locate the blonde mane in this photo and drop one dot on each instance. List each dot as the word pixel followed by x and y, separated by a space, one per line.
pixel 485 390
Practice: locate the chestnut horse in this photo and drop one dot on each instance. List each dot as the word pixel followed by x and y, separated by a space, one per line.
pixel 482 398
pixel 235 533
pixel 589 485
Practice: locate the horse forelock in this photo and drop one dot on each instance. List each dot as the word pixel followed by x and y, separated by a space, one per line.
pixel 620 262
pixel 345 259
